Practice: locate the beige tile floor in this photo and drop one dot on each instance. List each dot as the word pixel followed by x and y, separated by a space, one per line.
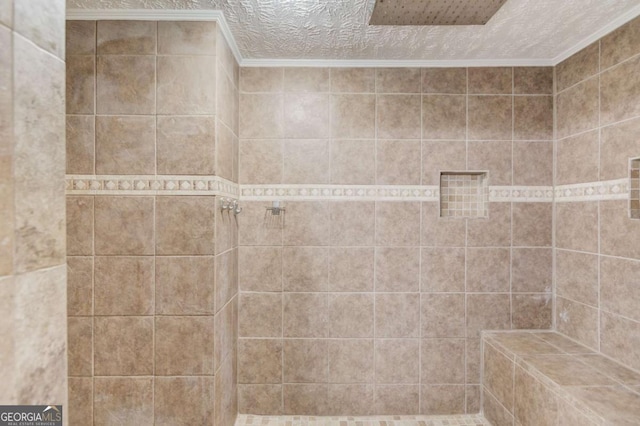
pixel 454 420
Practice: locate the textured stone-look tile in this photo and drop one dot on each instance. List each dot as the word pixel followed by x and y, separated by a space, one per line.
pixel 531 270
pixel 578 321
pixel 569 415
pixel 305 315
pixel 618 233
pixel 305 361
pixel 397 315
pixel 616 404
pixel 261 79
pixel 125 145
pixel 438 156
pixel 183 346
pixel 490 117
pixel 80 400
pixel 226 283
pixel 443 270
pixel 488 270
pixel 80 346
pixel 533 80
pixel 123 346
pixel 619 143
pixel 397 269
pixel 351 269
pixel 307 223
pixel 304 269
pixel 305 161
pixel 442 361
pixel 532 311
pixel 611 368
pixel 619 92
pixel 186 38
pixel 473 360
pixel 43 23
pixel 533 163
pixel 577 109
pixel 398 116
pixel 619 286
pixel 225 334
pixel 490 80
pixel 488 312
pixel 185 85
pixel 226 403
pixel 620 44
pixel 353 162
pixel 578 67
pixel 186 145
pixel 352 223
pixel 269 367
pixel 260 399
pixel 353 116
pixel 80 38
pixel 566 370
pixel 442 399
pixel 184 225
pixel 444 80
pixel 563 343
pixel 260 268
pixel 80 84
pixel 350 315
pixel 184 285
pixel 299 79
pixel 126 85
pixel 533 117
pixel 523 343
pixel 80 150
pixel 577 226
pixel 577 158
pixel 443 315
pixel 495 231
pixel 183 401
pixel 397 361
pixel 396 399
pixel 532 224
pixel 398 80
pixel 534 404
pixel 499 370
pixel 123 400
pixel 79 211
pixel 351 361
pixel 306 114
pixel 79 285
pixel 306 399
pixel 619 339
pixel 132 217
pixel 126 38
pixel 261 116
pixel 493 156
pixel 495 412
pixel 260 161
pixel 353 80
pixel 444 117
pixel 398 162
pixel 351 399
pixel 123 285
pixel 441 232
pixel 398 224
pixel 255 228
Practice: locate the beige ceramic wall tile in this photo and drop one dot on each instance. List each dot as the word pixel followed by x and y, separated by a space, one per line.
pixel 226 284
pixel 577 226
pixel 397 361
pixel 350 315
pixel 183 346
pixel 261 79
pixel 577 158
pixel 261 116
pixel 441 232
pixel 533 80
pixel 125 145
pixel 394 399
pixel 531 269
pixel 398 116
pixel 577 276
pixel 617 145
pixel 126 85
pixel 442 399
pixel 488 270
pixel 353 162
pixel 184 225
pixel 80 38
pixel 531 311
pixel 186 145
pixel 397 224
pixel 398 80
pixel 351 399
pixel 494 231
pixel 80 400
pixel 123 285
pixel 351 269
pixel 80 149
pixel 123 346
pixel 260 161
pixel 257 228
pixel 619 92
pixel 492 80
pixel 487 312
pixel 306 79
pixel 534 404
pixel 304 269
pixel 80 346
pixel 443 270
pixel 620 44
pixel 185 85
pixel 353 116
pixel 260 399
pixel 184 285
pixel 305 161
pixel 133 216
pixel 618 233
pixel 397 315
pixel 305 361
pixel 490 117
pixel 444 80
pixel 443 361
pixel 79 285
pixel 353 80
pixel 126 399
pixel 578 321
pixel 533 117
pixel 182 401
pixel 444 117
pixel 577 108
pixel 493 156
pixel 352 223
pixel 305 315
pixel 617 338
pixel 438 156
pixel 397 269
pixel 260 268
pixel 302 399
pixel 79 210
pixel 306 115
pixel 268 370
pixel 186 38
pixel 126 37
pixel 398 162
pixel 532 224
pixel 578 67
pixel 351 361
pixel 618 289
pixel 80 84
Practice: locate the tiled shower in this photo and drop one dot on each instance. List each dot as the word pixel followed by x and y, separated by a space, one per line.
pixel 385 218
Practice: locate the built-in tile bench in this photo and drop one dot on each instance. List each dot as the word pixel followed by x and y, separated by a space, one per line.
pixel 543 378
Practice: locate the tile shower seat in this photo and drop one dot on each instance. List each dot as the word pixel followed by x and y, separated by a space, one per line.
pixel 543 378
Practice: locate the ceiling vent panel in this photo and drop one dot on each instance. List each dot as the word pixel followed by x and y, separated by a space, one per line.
pixel 434 12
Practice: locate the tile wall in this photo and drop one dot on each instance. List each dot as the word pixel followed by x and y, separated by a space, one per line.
pixel 598 250
pixel 375 307
pixel 32 252
pixel 152 293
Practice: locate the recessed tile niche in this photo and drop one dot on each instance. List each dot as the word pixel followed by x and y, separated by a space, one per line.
pixel 464 194
pixel 634 198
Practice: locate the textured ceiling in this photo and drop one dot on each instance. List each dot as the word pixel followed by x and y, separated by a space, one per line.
pixel 338 29
pixel 434 12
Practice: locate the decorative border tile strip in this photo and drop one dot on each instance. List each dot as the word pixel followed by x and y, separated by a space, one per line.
pixel 593 191
pixel 150 185
pixel 452 420
pixel 521 194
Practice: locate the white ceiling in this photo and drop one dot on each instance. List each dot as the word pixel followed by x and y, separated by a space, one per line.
pixel 521 31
